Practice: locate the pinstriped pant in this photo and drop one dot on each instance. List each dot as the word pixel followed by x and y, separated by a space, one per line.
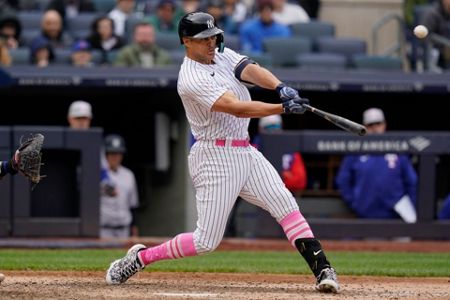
pixel 220 175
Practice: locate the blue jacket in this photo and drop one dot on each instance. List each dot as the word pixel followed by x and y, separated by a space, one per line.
pixel 372 184
pixel 445 210
pixel 253 32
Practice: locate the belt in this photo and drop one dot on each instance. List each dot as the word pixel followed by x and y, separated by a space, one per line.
pixel 232 143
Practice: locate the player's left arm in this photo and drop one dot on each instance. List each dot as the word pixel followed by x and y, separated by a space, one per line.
pixel 249 71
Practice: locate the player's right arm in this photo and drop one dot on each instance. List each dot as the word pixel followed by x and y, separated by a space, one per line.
pixel 228 103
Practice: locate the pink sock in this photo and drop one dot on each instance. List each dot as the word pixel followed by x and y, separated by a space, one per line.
pixel 180 246
pixel 295 226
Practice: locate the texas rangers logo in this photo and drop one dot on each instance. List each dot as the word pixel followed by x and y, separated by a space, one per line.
pixel 210 24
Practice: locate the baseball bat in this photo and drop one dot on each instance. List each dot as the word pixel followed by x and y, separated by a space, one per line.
pixel 339 121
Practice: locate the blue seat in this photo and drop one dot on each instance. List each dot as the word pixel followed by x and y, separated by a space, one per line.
pixel 377 62
pixel 62 56
pixel 262 59
pixel 20 56
pixel 168 41
pixel 283 51
pixel 232 41
pixel 344 46
pixel 104 6
pixel 28 35
pixel 322 61
pixel 313 29
pixel 80 26
pixel 30 20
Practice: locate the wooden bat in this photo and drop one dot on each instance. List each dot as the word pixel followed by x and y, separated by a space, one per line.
pixel 339 121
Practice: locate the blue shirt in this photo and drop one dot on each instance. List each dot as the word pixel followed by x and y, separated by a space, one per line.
pixel 253 32
pixel 445 210
pixel 372 184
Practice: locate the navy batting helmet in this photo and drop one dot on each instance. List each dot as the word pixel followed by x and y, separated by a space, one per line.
pixel 114 143
pixel 200 25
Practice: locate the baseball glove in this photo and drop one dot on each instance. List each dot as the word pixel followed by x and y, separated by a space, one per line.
pixel 27 159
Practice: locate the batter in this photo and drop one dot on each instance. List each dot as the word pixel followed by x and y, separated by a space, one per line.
pixel 222 164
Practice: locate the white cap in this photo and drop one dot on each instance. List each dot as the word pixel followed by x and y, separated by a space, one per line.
pixel 79 109
pixel 270 122
pixel 373 115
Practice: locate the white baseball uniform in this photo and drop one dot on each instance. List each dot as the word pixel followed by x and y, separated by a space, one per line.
pixel 221 163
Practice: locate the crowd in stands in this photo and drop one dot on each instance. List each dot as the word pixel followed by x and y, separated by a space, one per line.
pixel 143 33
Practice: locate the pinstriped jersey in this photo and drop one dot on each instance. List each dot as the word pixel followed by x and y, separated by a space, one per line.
pixel 201 85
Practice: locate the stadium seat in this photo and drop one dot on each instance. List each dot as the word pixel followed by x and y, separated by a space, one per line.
pixel 322 61
pixel 262 59
pixel 283 51
pixel 232 41
pixel 30 20
pixel 20 56
pixel 313 29
pixel 345 46
pixel 111 56
pixel 80 26
pixel 384 63
pixel 177 56
pixel 28 35
pixel 168 41
pixel 104 6
pixel 62 56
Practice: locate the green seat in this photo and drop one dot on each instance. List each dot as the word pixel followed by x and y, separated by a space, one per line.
pixel 284 51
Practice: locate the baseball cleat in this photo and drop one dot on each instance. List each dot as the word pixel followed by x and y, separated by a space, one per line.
pixel 121 269
pixel 327 281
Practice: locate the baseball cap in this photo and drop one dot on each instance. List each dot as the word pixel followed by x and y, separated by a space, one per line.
pixel 114 143
pixel 79 109
pixel 270 122
pixel 373 115
pixel 81 45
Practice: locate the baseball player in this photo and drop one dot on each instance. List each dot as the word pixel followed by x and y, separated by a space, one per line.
pixel 222 163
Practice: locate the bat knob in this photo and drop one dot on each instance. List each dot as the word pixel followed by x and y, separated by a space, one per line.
pixel 362 131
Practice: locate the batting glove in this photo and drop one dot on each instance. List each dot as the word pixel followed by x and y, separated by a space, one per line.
pixel 295 106
pixel 286 93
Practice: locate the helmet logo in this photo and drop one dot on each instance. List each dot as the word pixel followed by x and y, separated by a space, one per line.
pixel 210 24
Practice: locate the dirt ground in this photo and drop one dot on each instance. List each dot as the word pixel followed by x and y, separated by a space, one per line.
pixel 157 285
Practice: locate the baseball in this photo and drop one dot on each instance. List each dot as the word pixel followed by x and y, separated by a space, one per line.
pixel 420 31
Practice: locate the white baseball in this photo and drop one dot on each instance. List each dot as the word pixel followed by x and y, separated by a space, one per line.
pixel 420 31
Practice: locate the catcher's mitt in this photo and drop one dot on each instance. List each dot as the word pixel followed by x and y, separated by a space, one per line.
pixel 27 159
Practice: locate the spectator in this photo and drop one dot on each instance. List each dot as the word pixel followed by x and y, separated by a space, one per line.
pixel 216 8
pixel 288 13
pixel 378 186
pixel 80 115
pixel 311 7
pixel 5 57
pixel 294 171
pixel 408 11
pixel 10 30
pixel 81 54
pixel 165 18
pixel 120 14
pixel 437 20
pixel 236 10
pixel 52 30
pixel 103 38
pixel 71 8
pixel 187 6
pixel 41 52
pixel 143 52
pixel 117 210
pixel 254 31
pixel 444 213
